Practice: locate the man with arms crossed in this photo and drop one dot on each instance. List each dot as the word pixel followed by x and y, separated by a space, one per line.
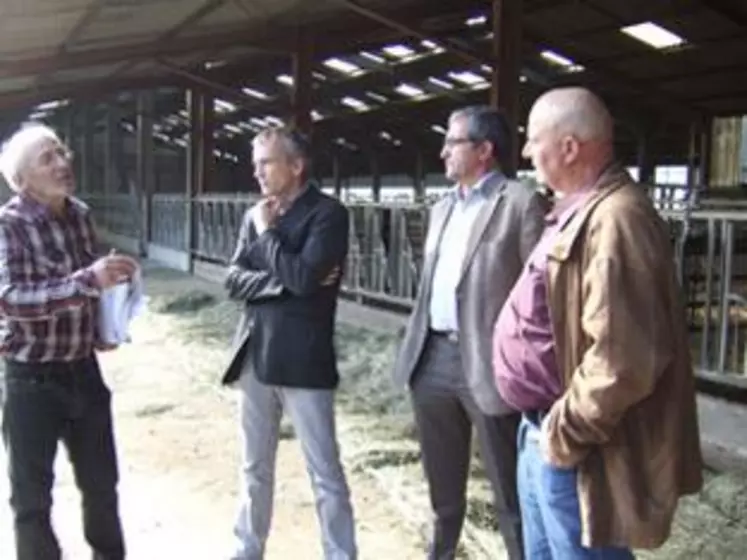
pixel 50 282
pixel 286 270
pixel 592 345
pixel 478 239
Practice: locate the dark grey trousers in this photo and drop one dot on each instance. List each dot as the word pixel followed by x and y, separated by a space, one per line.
pixel 445 413
pixel 45 403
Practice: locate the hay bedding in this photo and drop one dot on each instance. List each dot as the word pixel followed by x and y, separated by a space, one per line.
pixel 377 437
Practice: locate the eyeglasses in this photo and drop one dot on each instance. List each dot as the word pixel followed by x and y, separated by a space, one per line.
pixel 451 142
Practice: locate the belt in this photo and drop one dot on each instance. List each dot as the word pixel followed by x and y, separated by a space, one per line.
pixel 451 336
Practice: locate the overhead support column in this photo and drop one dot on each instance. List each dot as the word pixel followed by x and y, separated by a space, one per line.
pixel 646 165
pixel 200 162
pixel 504 95
pixel 706 141
pixel 145 165
pixel 692 159
pixel 201 140
pixel 302 81
pixel 206 130
pixel 419 183
pixel 111 133
pixel 86 151
pixel 375 177
pixel 337 175
pixel 69 128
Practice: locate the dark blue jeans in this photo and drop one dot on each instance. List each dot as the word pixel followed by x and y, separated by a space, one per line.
pixel 45 403
pixel 550 515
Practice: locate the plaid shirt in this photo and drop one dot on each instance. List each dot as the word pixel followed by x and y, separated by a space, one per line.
pixel 48 296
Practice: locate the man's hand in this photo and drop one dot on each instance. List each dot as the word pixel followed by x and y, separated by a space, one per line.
pixel 113 269
pixel 544 439
pixel 332 277
pixel 265 213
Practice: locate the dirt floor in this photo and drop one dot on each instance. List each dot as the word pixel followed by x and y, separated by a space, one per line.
pixel 177 435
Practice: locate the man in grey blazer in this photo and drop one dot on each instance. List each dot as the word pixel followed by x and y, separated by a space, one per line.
pixel 479 236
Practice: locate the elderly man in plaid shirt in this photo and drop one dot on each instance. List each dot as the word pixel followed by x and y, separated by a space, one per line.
pixel 50 281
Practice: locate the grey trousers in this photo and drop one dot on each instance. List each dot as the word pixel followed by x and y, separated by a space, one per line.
pixel 445 414
pixel 312 415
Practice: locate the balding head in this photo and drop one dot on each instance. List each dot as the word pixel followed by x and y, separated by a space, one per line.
pixel 569 138
pixel 574 111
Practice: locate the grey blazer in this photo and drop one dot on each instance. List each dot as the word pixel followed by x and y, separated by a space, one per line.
pixel 504 233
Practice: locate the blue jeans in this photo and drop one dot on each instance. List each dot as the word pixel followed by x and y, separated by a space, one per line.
pixel 550 516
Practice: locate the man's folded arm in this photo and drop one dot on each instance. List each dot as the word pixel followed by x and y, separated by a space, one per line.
pixel 242 281
pixel 23 297
pixel 303 273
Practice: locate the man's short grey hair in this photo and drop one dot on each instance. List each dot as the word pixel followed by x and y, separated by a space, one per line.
pixel 294 143
pixel 16 150
pixel 487 124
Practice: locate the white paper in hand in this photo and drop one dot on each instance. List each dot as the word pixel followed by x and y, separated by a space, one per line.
pixel 118 305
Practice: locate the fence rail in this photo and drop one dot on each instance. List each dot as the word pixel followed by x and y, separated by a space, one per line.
pixel 387 243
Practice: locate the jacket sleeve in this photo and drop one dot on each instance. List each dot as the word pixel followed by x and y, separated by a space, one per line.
pixel 24 296
pixel 244 282
pixel 302 272
pixel 625 319
pixel 532 224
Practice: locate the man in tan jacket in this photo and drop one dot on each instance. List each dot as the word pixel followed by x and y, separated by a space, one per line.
pixel 592 347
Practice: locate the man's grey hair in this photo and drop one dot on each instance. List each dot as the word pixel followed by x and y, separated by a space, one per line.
pixel 487 124
pixel 16 150
pixel 294 143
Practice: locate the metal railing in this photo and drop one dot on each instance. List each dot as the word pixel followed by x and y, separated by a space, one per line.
pixel 387 243
pixel 169 221
pixel 713 269
pixel 117 213
pixel 218 220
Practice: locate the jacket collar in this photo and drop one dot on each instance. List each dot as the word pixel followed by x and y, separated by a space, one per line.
pixel 302 202
pixel 496 185
pixel 610 181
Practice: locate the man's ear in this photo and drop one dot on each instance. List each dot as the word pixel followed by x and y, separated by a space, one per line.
pixel 298 167
pixel 17 181
pixel 570 147
pixel 488 151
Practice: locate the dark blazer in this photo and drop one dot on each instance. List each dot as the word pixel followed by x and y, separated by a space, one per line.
pixel 504 233
pixel 287 327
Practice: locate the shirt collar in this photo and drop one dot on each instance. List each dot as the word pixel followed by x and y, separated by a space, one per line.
pixel 483 187
pixel 36 210
pixel 565 207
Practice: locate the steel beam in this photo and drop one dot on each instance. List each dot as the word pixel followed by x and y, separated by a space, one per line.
pixel 146 178
pixel 408 30
pixel 504 93
pixel 302 80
